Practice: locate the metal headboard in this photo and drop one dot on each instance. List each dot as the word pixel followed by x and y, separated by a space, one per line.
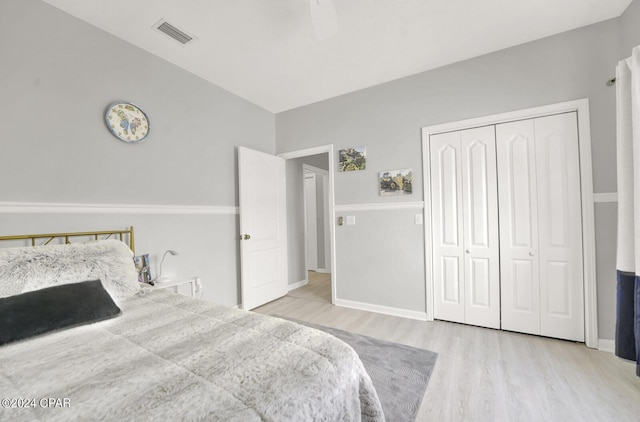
pixel 96 235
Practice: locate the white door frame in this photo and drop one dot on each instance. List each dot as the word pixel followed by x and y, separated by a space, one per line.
pixel 332 203
pixel 581 107
pixel 307 168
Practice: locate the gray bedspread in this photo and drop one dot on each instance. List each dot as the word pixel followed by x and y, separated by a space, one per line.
pixel 170 357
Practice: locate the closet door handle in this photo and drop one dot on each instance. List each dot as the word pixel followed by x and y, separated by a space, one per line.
pixel 531 253
pixel 468 251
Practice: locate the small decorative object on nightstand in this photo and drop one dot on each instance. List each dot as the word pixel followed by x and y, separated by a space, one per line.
pixel 194 284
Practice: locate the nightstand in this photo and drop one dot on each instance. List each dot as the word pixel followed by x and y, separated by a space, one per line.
pixel 174 282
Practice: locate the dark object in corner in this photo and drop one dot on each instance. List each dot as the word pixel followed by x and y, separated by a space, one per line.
pixel 54 308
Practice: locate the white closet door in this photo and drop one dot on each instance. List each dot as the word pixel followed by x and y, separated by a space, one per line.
pixel 446 202
pixel 560 227
pixel 465 227
pixel 517 191
pixel 480 211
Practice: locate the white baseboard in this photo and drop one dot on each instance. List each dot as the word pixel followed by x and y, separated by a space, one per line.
pixel 606 345
pixel 380 309
pixel 323 270
pixel 298 284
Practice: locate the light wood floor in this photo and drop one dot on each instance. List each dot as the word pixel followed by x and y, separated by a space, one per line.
pixel 488 375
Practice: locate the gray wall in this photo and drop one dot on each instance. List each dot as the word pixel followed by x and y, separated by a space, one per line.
pixel 385 267
pixel 380 259
pixel 56 81
pixel 201 241
pixel 295 212
pixel 630 23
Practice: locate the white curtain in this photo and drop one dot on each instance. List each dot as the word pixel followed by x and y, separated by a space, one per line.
pixel 628 253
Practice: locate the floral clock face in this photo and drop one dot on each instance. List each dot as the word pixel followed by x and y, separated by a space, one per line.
pixel 127 122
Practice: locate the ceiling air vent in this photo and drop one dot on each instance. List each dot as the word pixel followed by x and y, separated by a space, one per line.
pixel 170 30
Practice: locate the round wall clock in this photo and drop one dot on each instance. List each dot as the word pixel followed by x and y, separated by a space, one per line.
pixel 126 121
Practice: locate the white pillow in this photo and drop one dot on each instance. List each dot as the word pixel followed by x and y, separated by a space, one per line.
pixel 35 267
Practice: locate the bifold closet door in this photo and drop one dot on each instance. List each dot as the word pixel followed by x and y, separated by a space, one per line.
pixel 465 227
pixel 480 223
pixel 446 202
pixel 518 193
pixel 560 227
pixel 541 227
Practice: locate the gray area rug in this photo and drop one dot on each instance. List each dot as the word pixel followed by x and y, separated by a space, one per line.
pixel 399 373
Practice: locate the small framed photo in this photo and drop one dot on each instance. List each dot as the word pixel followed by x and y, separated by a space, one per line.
pixel 395 182
pixel 144 268
pixel 352 159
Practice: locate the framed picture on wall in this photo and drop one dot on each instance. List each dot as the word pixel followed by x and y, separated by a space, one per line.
pixel 395 182
pixel 352 159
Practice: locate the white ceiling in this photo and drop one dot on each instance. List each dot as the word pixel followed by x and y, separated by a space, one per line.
pixel 266 51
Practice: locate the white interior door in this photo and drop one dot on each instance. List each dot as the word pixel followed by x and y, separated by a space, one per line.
pixel 480 222
pixel 517 187
pixel 560 227
pixel 446 202
pixel 263 230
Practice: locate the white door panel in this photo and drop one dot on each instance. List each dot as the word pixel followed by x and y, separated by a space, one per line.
pixel 449 195
pixel 479 276
pixel 517 189
pixel 560 234
pixel 263 232
pixel 465 243
pixel 451 280
pixel 447 227
pixel 481 241
pixel 523 288
pixel 558 297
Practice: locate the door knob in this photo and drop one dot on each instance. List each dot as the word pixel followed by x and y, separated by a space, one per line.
pixel 532 253
pixel 245 237
pixel 468 251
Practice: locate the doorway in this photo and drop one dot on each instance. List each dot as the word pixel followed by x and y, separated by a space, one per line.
pixel 310 216
pixel 316 219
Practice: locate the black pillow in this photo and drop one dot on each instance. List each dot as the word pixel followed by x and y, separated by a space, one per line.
pixel 54 308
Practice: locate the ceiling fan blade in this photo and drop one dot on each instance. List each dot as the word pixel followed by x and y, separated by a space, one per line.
pixel 323 18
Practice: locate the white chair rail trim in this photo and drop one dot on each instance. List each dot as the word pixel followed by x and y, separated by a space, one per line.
pixel 77 208
pixel 381 206
pixel 605 197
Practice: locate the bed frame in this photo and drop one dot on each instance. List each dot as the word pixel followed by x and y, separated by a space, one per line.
pixel 96 235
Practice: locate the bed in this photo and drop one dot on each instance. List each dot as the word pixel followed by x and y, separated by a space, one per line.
pixel 114 349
